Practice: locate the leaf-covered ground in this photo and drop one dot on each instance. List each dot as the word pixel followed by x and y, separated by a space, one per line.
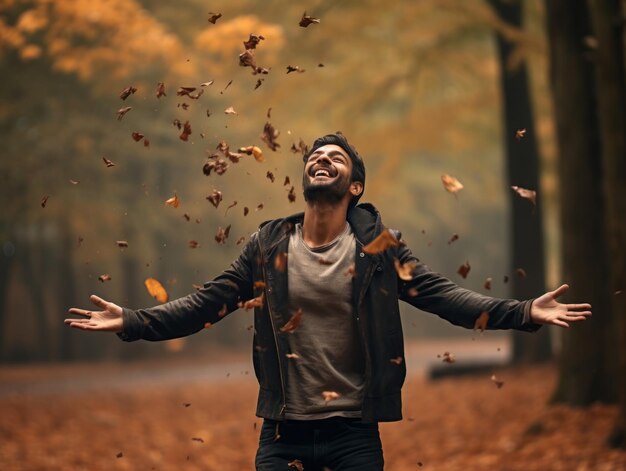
pixel 463 423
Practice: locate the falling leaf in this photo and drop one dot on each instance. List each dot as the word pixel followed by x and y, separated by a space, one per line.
pixel 119 455
pixel 294 69
pixel 186 404
pixel 254 151
pixel 291 196
pixel 520 134
pixel 259 82
pixel 137 136
pixel 253 41
pixel 208 325
pixel 292 356
pixel 127 92
pixel 487 284
pixel 240 240
pixel 231 206
pixel 197 439
pixel 215 198
pixel 330 396
pixel 213 17
pixel 74 182
pixel 146 143
pixel 156 290
pixel 187 217
pixel 122 111
pixel 454 238
pixel 107 162
pixel 222 235
pixel 293 323
pixel 497 382
pixel 174 202
pixel 505 278
pixel 259 207
pixel 520 272
pixel 301 147
pixel 396 361
pixel 280 262
pixel 185 91
pixel 270 176
pixel 405 271
pixel 223 311
pixel 307 20
pixel 287 182
pixel 385 240
pixel 269 113
pixel 44 201
pixel 160 90
pixel 464 269
pixel 412 292
pixel 207 84
pixel 451 184
pixel 245 210
pixel 230 110
pixel 252 303
pixel 122 243
pixel 296 464
pixel 269 136
pixel 105 277
pixel 226 87
pixel 184 136
pixel 448 357
pixel 481 322
pixel 193 244
pixel 530 195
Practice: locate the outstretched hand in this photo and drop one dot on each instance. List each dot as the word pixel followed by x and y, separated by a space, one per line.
pixel 107 320
pixel 547 310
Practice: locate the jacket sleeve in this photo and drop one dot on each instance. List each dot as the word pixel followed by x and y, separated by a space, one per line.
pixel 189 314
pixel 434 293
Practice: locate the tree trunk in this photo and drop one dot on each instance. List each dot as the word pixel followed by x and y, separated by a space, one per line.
pixel 522 162
pixel 586 367
pixel 66 288
pixel 611 92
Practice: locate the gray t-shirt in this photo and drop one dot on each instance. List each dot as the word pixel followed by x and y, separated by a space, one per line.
pixel 326 341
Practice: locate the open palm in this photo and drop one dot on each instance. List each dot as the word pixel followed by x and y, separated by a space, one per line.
pixel 109 319
pixel 547 310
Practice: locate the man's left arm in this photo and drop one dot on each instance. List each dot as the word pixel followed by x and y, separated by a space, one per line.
pixel 437 294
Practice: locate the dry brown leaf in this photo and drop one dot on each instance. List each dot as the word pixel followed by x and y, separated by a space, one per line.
pixel 121 243
pixel 454 238
pixel 396 360
pixel 253 41
pixel 530 195
pixel 451 184
pixel 330 396
pixel 520 134
pixel 160 90
pixel 213 17
pixel 487 284
pixel 156 290
pixel 291 196
pixel 293 323
pixel 292 356
pixel 122 111
pixel 193 244
pixel 222 235
pixel 306 20
pixel 174 202
pixel 497 382
pixel 197 439
pixel 294 69
pixel 127 92
pixel 107 162
pixel 297 464
pixel 230 110
pixel 44 201
pixel 252 303
pixel 269 136
pixel 405 271
pixel 215 198
pixel 520 272
pixel 105 277
pixel 137 136
pixel 448 357
pixel 280 262
pixel 464 269
pixel 385 240
pixel 254 151
pixel 481 322
pixel 240 240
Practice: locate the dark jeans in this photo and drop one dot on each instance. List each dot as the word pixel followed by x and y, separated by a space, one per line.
pixel 336 444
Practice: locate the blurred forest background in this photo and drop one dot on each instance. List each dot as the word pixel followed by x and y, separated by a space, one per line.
pixel 495 93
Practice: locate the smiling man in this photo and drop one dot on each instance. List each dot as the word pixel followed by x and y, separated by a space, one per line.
pixel 328 345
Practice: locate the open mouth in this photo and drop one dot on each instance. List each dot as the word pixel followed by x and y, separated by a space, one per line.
pixel 327 172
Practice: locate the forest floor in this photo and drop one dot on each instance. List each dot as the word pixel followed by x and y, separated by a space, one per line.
pixel 454 423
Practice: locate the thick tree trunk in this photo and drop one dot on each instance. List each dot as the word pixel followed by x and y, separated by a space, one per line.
pixel 586 368
pixel 522 162
pixel 611 91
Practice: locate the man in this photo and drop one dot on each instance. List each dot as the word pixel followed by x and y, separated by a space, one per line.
pixel 328 344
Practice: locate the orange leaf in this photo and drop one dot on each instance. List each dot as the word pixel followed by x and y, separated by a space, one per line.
pixel 293 323
pixel 451 184
pixel 530 195
pixel 481 322
pixel 330 395
pixel 156 290
pixel 405 271
pixel 173 201
pixel 381 243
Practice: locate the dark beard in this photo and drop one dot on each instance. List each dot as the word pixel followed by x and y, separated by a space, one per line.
pixel 330 194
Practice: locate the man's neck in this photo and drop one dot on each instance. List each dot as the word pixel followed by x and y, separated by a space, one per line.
pixel 323 222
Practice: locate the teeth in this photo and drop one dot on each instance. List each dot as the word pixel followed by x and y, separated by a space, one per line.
pixel 322 173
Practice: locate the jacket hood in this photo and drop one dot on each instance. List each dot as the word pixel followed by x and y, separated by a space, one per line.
pixel 364 219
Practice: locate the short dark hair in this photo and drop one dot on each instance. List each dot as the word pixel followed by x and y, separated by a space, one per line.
pixel 358 167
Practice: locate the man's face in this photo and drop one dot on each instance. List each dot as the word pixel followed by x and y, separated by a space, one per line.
pixel 327 174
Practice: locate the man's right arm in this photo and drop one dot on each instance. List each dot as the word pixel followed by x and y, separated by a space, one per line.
pixel 189 314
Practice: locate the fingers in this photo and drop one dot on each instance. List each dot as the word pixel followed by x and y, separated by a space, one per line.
pixel 85 325
pixel 560 290
pixel 77 321
pixel 560 323
pixel 98 301
pixel 572 307
pixel 80 312
pixel 579 313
